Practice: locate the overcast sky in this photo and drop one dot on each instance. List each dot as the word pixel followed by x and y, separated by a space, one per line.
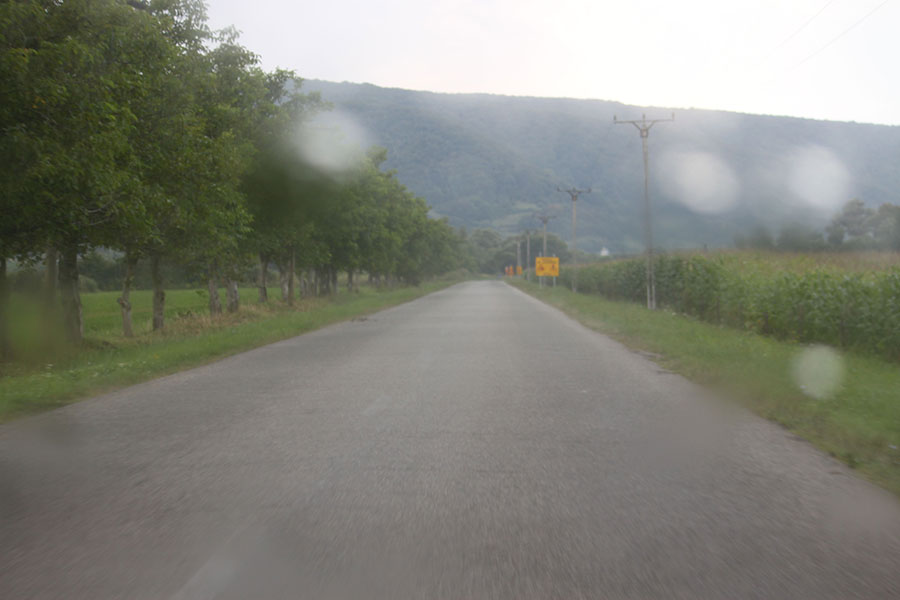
pixel 808 58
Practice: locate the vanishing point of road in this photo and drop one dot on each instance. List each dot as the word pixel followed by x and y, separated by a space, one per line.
pixel 471 444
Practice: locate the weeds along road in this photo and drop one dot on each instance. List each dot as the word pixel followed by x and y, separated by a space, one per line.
pixel 470 444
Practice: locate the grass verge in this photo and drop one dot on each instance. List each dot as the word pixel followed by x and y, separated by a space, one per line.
pixel 108 361
pixel 859 423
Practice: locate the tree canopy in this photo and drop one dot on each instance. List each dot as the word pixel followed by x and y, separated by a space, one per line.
pixel 134 127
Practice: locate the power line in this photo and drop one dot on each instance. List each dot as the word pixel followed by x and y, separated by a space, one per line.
pixel 762 58
pixel 842 34
pixel 802 27
pixel 773 76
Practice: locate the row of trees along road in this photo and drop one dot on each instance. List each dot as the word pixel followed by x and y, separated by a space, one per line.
pixel 133 126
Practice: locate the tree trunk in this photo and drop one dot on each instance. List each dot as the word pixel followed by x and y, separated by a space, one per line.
pixel 124 300
pixel 263 278
pixel 349 280
pixel 291 268
pixel 159 295
pixel 52 262
pixel 215 304
pixel 70 296
pixel 50 322
pixel 324 281
pixel 5 350
pixel 232 298
pixel 334 283
pixel 283 281
pixel 304 284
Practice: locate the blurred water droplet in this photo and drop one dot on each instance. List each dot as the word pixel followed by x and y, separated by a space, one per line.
pixel 818 371
pixel 701 181
pixel 818 177
pixel 333 142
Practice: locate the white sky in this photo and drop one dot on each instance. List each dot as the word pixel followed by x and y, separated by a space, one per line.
pixel 747 56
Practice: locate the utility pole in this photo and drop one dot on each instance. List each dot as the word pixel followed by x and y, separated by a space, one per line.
pixel 573 193
pixel 544 218
pixel 644 126
pixel 518 256
pixel 527 254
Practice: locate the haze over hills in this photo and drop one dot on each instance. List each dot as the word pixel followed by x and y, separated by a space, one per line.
pixel 493 161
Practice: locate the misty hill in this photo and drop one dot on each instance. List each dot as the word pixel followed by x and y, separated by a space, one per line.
pixel 493 161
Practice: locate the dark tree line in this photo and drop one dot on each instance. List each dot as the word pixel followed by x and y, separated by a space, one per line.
pixel 133 126
pixel 854 227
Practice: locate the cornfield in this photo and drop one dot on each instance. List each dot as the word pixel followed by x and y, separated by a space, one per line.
pixel 851 303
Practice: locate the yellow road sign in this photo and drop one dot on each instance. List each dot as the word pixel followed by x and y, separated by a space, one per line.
pixel 546 266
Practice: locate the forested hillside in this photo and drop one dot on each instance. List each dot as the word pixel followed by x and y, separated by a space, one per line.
pixel 492 161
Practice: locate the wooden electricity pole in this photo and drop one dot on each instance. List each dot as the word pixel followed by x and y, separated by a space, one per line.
pixel 527 254
pixel 644 126
pixel 544 219
pixel 573 193
pixel 518 256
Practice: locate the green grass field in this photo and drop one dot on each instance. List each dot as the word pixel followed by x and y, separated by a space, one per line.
pixel 102 317
pixel 49 373
pixel 859 423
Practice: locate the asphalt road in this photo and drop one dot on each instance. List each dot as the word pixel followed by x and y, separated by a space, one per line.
pixel 471 444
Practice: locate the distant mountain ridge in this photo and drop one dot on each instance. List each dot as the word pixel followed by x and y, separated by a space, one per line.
pixel 493 161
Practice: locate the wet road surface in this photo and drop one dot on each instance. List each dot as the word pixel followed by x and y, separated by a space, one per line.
pixel 473 443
